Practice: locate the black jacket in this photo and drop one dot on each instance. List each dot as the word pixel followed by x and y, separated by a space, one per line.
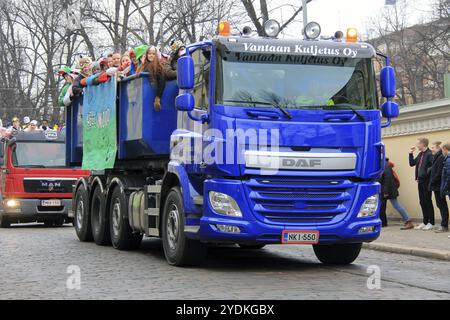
pixel 422 174
pixel 388 188
pixel 445 181
pixel 436 172
pixel 77 88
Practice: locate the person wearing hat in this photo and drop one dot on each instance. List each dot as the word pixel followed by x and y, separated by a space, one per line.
pixel 15 128
pixel 178 49
pixel 84 64
pixel 26 122
pixel 33 127
pixel 66 73
pixel 136 55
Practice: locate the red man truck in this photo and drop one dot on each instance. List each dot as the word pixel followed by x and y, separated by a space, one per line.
pixel 35 183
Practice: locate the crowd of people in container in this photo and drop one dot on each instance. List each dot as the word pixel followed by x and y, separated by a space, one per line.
pixel 432 175
pixel 85 71
pixel 144 58
pixel 27 125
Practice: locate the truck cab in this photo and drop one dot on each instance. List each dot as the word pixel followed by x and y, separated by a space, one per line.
pixel 35 184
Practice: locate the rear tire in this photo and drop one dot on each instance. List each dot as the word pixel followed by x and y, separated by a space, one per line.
pixel 99 218
pixel 252 246
pixel 122 236
pixel 82 215
pixel 338 253
pixel 4 222
pixel 178 249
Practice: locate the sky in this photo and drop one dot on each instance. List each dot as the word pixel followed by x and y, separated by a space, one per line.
pixel 335 15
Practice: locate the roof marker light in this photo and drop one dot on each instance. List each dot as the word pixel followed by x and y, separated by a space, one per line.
pixel 352 35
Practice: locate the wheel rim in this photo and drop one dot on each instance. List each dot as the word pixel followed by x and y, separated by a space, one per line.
pixel 116 214
pixel 80 214
pixel 173 227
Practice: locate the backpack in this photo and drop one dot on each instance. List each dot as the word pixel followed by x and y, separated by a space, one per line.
pixel 396 179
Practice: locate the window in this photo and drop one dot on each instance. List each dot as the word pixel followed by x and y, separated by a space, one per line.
pixel 201 85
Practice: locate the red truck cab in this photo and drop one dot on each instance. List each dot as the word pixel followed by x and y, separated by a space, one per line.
pixel 35 183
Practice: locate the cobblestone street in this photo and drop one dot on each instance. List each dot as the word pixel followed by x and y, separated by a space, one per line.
pixel 35 261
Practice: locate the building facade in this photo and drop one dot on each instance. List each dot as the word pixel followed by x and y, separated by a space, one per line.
pixel 430 120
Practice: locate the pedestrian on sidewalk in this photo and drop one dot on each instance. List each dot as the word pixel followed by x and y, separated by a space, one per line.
pixel 445 182
pixel 435 185
pixel 389 191
pixel 422 163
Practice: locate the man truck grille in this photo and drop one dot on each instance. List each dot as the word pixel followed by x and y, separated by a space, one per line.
pixel 48 186
pixel 294 200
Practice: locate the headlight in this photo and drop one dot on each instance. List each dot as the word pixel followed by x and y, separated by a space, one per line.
pixel 12 203
pixel 369 207
pixel 272 28
pixel 224 204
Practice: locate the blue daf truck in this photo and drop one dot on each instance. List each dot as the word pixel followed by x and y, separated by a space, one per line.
pixel 260 141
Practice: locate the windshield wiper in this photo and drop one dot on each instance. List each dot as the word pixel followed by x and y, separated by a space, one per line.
pixel 276 105
pixel 356 112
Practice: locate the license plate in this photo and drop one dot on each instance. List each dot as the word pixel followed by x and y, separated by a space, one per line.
pixel 51 203
pixel 300 237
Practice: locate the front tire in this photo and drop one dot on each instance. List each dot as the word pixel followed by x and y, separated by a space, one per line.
pixel 4 222
pixel 338 253
pixel 82 215
pixel 99 218
pixel 122 236
pixel 178 249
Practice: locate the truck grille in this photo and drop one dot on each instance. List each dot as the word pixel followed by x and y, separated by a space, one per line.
pixel 48 185
pixel 296 200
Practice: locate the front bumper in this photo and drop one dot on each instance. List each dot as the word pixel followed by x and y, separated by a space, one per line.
pixel 345 228
pixel 30 210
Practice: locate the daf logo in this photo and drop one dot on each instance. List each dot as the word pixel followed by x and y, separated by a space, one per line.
pixel 302 163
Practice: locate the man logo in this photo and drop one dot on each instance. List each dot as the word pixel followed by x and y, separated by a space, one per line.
pixel 51 186
pixel 301 163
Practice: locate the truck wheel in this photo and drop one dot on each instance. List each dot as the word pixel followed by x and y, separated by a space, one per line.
pixel 122 236
pixel 178 249
pixel 337 253
pixel 4 223
pixel 82 215
pixel 252 246
pixel 99 220
pixel 49 223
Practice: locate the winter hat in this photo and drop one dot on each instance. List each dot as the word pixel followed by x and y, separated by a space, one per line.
pixel 64 70
pixel 95 68
pixel 34 122
pixel 176 44
pixel 83 62
pixel 26 120
pixel 140 51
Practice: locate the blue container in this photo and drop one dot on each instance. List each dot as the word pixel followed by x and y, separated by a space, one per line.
pixel 144 132
pixel 74 133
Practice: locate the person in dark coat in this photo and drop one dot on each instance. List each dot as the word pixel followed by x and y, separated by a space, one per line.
pixel 422 163
pixel 435 184
pixel 389 191
pixel 445 179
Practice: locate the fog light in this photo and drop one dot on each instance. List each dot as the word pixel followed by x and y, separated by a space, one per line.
pixel 366 230
pixel 224 204
pixel 312 30
pixel 228 229
pixel 12 203
pixel 272 28
pixel 369 207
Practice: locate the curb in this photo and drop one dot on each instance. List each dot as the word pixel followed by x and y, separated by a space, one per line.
pixel 413 251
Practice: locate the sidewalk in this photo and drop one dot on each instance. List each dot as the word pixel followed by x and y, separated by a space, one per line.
pixel 420 243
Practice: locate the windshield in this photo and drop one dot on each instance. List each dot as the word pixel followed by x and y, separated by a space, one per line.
pixel 295 82
pixel 39 154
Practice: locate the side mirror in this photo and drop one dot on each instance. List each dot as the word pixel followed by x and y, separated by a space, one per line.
pixel 185 73
pixel 387 82
pixel 185 102
pixel 390 109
